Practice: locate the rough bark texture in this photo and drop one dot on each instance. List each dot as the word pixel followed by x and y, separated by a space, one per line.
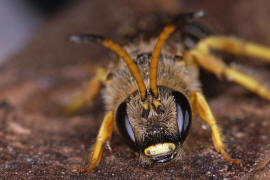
pixel 38 141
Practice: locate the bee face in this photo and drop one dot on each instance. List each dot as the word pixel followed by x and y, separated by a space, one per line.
pixel 155 127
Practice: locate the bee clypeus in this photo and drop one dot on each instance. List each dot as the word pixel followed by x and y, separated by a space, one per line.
pixel 153 93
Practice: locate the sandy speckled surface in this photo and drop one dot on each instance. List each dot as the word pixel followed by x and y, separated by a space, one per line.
pixel 38 141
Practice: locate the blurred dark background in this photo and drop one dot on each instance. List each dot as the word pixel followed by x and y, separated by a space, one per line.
pixel 20 18
pixel 45 72
pixel 47 7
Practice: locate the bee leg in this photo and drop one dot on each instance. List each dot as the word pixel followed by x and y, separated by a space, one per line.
pixel 205 113
pixel 104 135
pixel 220 69
pixel 234 46
pixel 90 92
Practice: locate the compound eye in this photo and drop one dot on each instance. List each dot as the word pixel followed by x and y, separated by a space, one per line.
pixel 123 124
pixel 183 114
pixel 129 129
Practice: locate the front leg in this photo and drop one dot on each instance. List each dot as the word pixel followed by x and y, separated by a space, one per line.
pixel 199 104
pixel 104 134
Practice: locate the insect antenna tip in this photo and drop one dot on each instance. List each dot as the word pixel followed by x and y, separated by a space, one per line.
pixel 199 14
pixel 85 38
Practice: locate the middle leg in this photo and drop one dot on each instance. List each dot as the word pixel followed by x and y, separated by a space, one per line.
pixel 220 69
pixel 89 93
pixel 234 46
pixel 199 104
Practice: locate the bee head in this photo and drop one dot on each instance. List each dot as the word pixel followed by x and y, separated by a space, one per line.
pixel 155 127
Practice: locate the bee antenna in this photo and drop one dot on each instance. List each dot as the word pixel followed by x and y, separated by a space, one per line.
pixel 164 35
pixel 87 38
pixel 196 14
pixel 188 17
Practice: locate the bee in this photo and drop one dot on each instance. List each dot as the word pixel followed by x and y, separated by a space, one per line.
pixel 153 92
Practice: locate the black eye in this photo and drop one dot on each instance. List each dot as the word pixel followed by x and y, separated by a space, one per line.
pixel 124 126
pixel 183 114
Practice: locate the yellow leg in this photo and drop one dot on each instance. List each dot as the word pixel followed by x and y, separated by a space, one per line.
pixel 200 104
pixel 104 135
pixel 217 67
pixel 90 92
pixel 248 82
pixel 235 46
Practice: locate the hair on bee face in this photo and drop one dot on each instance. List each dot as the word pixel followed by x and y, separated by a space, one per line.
pixel 158 125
